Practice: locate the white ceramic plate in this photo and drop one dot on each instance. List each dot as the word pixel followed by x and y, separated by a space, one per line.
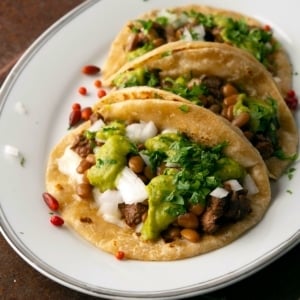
pixel 46 80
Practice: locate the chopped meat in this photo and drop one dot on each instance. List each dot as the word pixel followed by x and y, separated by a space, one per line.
pixel 133 213
pixel 214 86
pixel 264 146
pixel 81 145
pixel 232 208
pixel 238 206
pixel 214 211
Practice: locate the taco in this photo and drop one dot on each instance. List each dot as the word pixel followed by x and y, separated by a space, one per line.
pixel 200 23
pixel 146 181
pixel 229 82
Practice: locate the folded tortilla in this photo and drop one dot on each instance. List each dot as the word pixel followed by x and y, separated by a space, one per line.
pixel 198 59
pixel 198 124
pixel 195 22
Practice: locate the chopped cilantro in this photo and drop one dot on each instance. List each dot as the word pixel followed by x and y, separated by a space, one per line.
pixel 290 173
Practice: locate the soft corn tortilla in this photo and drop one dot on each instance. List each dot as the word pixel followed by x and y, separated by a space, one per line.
pixel 117 55
pixel 232 65
pixel 200 125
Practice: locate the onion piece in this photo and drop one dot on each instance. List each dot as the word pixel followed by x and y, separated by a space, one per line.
pixel 199 31
pixel 186 35
pixel 131 187
pixel 250 185
pixel 108 205
pixel 67 164
pixel 20 108
pixel 140 132
pixel 97 125
pixel 146 158
pixel 219 192
pixel 11 150
pixel 234 184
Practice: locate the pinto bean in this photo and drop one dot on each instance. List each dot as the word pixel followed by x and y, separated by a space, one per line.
pixel 230 100
pixel 84 190
pixel 83 166
pixel 148 172
pixel 197 209
pixel 188 220
pixel 190 235
pixel 136 164
pixel 241 120
pixel 91 158
pixel 228 90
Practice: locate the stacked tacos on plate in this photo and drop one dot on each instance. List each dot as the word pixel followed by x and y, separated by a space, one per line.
pixel 229 82
pixel 193 23
pixel 157 180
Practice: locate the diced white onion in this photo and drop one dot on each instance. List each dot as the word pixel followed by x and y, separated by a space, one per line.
pixel 186 35
pixel 20 108
pixel 11 150
pixel 250 185
pixel 169 130
pixel 140 132
pixel 108 205
pixel 219 192
pixel 68 163
pixel 145 158
pixel 97 125
pixel 234 184
pixel 131 187
pixel 199 31
pixel 166 14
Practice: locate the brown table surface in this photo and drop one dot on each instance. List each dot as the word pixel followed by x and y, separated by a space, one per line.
pixel 21 22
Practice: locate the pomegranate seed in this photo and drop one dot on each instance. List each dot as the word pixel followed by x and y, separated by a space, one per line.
pixel 51 202
pixel 56 220
pixel 120 255
pixel 98 83
pixel 267 27
pixel 291 93
pixel 82 91
pixel 75 117
pixel 90 70
pixel 76 106
pixel 101 93
pixel 86 113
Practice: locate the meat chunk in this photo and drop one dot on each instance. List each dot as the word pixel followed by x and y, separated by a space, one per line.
pixel 133 213
pixel 238 206
pixel 264 146
pixel 82 146
pixel 214 211
pixel 232 208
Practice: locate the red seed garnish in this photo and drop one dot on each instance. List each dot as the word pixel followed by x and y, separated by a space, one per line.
pixel 98 83
pixel 267 27
pixel 82 91
pixel 90 70
pixel 120 255
pixel 74 118
pixel 51 202
pixel 291 100
pixel 76 106
pixel 101 93
pixel 56 220
pixel 86 113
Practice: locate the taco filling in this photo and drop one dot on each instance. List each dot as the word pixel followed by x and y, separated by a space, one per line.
pixel 161 184
pixel 189 25
pixel 257 118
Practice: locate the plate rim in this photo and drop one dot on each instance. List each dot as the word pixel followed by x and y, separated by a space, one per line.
pixel 41 266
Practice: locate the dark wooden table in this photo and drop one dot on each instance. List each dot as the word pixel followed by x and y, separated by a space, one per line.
pixel 21 22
